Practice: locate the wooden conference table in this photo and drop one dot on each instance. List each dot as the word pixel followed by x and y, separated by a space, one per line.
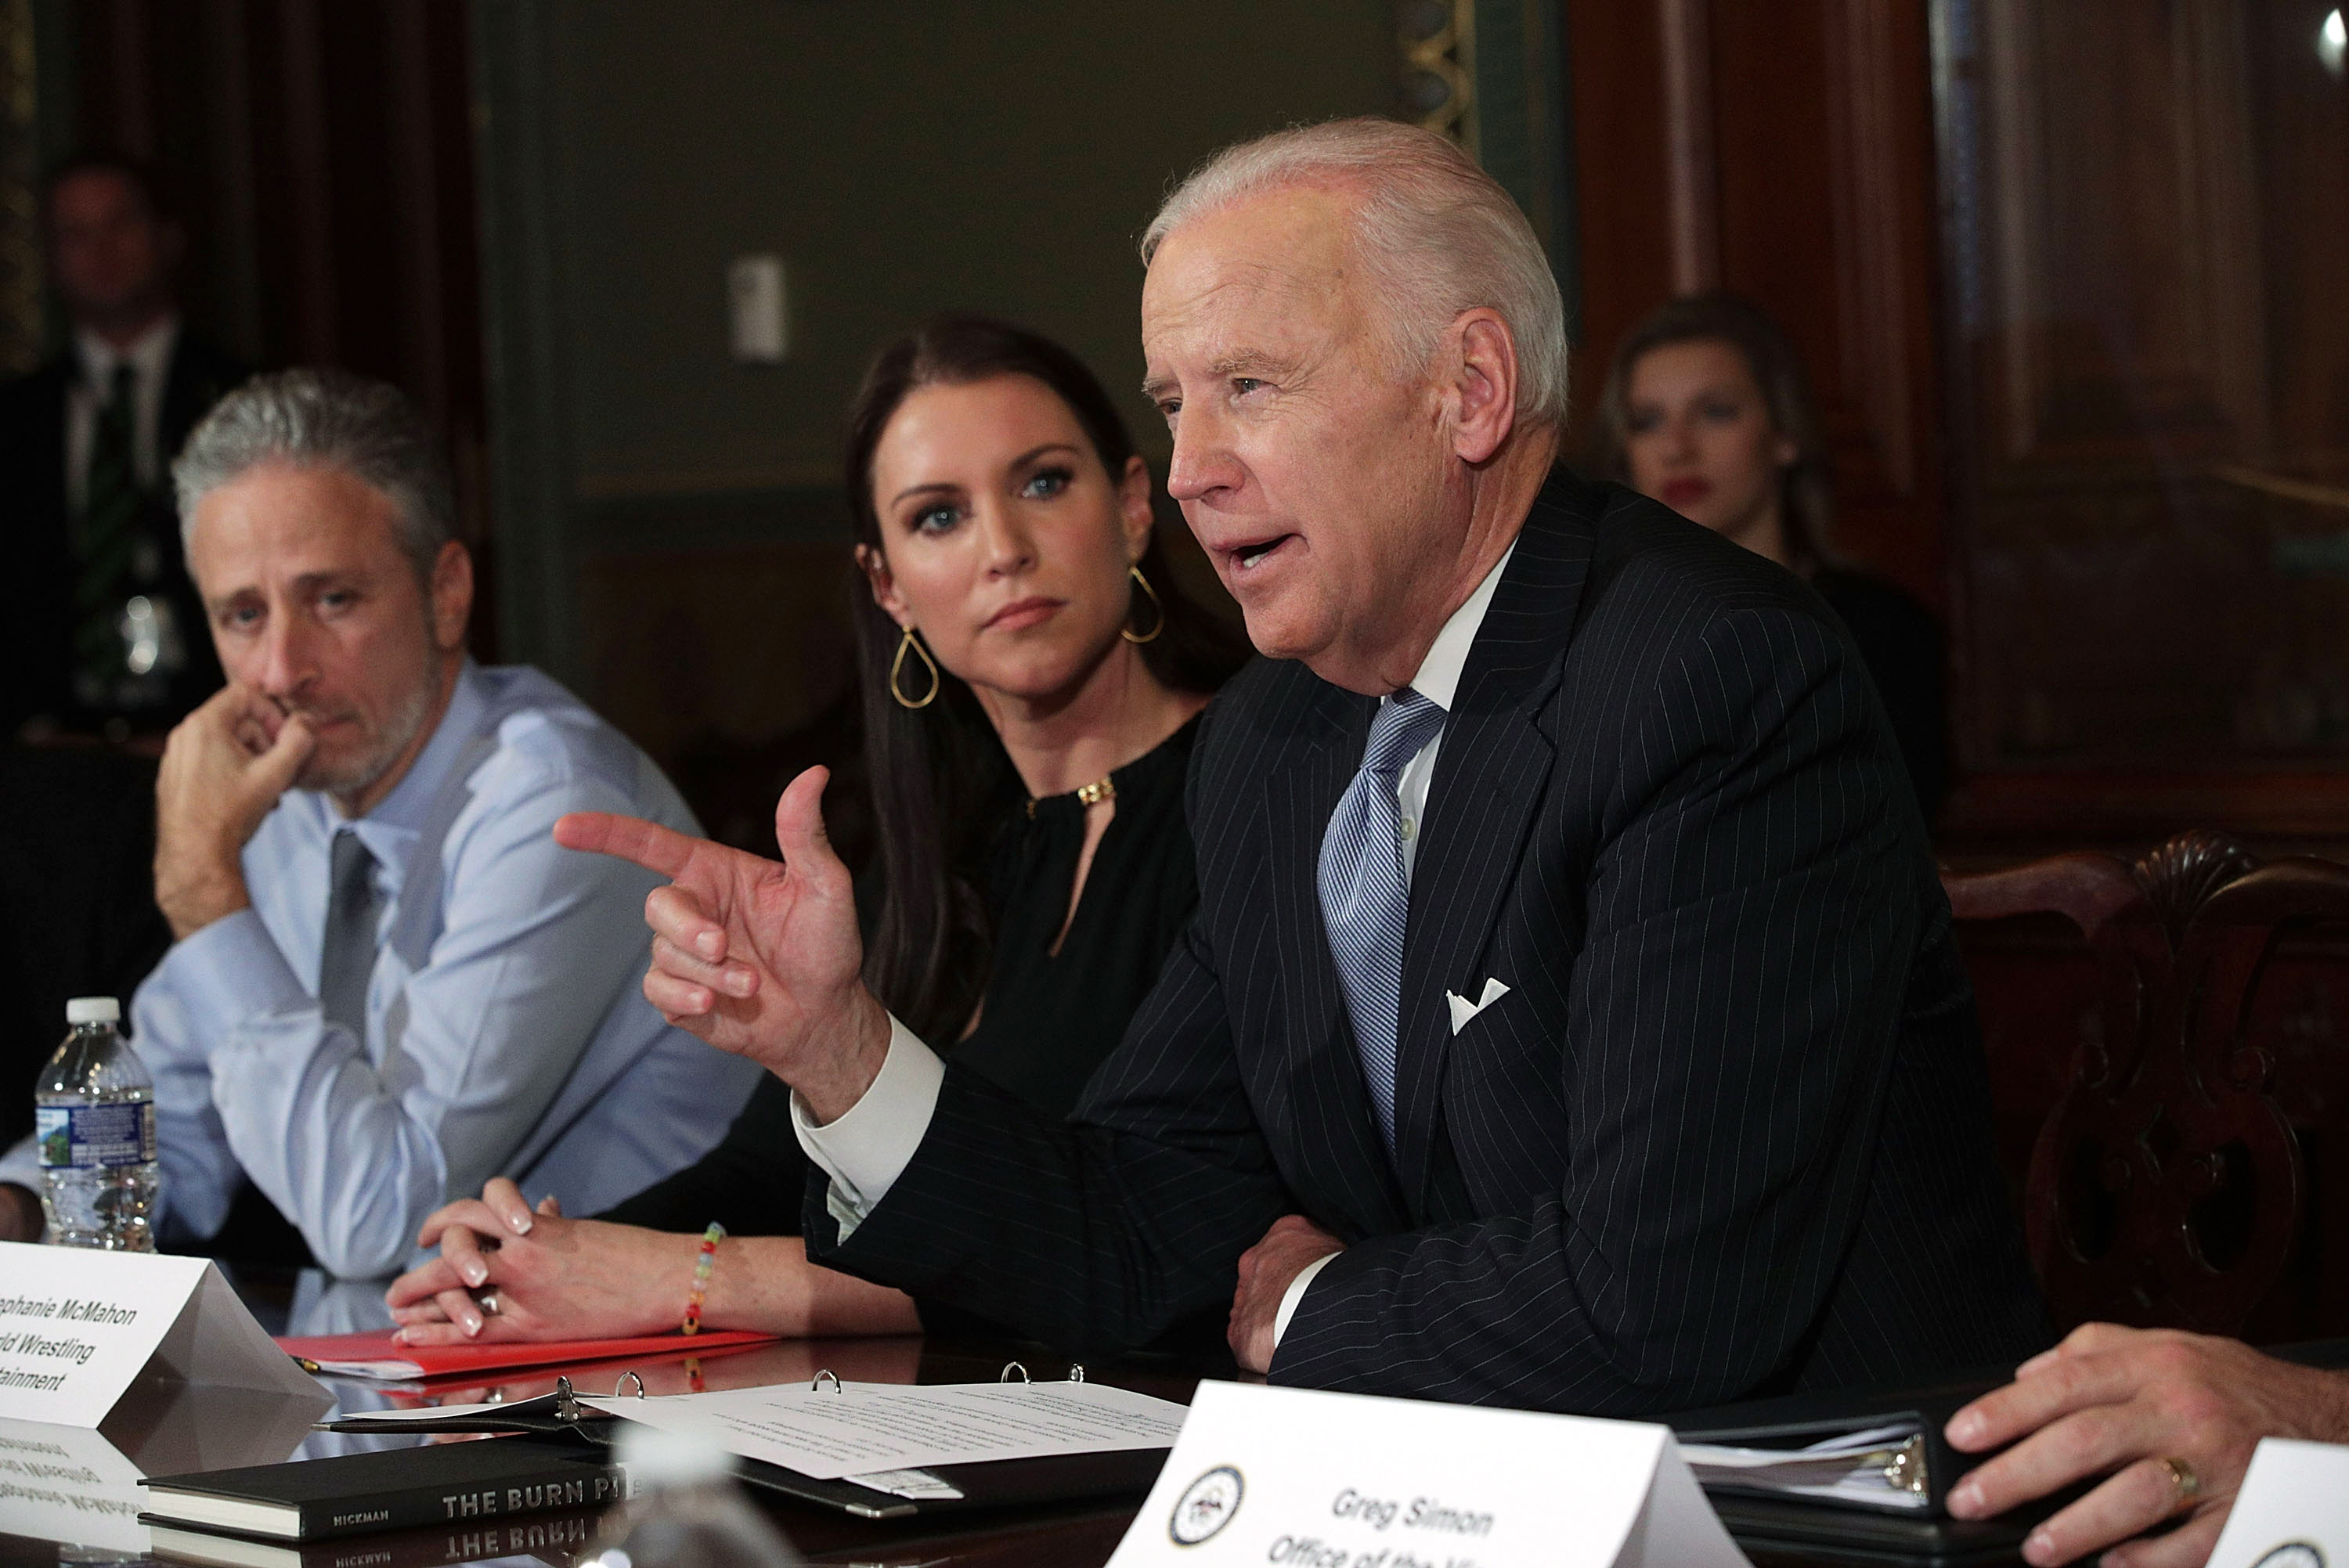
pixel 1080 1535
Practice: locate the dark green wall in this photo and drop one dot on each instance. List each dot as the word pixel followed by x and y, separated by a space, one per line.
pixel 904 156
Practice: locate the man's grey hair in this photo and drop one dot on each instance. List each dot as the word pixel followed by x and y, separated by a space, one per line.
pixel 1436 234
pixel 320 418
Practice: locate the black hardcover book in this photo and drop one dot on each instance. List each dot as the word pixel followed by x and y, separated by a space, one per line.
pixel 464 1484
pixel 558 1538
pixel 991 1483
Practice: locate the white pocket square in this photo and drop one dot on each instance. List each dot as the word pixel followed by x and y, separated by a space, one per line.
pixel 1464 1009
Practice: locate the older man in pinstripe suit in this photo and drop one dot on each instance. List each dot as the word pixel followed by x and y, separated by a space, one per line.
pixel 1571 1019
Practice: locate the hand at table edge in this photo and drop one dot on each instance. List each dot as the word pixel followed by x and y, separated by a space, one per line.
pixel 2115 1402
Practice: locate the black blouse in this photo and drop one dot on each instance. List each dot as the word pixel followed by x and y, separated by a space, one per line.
pixel 1048 1019
pixel 1902 644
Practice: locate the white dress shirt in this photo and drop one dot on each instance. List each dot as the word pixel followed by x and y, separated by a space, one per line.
pixel 505 1032
pixel 868 1147
pixel 150 359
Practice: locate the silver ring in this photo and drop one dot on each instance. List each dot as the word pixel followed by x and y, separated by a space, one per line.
pixel 487 1300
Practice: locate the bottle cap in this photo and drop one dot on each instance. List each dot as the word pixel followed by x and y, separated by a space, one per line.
pixel 93 1010
pixel 655 1459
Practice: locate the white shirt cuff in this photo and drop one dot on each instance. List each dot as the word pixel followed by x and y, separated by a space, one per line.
pixel 1295 1294
pixel 867 1147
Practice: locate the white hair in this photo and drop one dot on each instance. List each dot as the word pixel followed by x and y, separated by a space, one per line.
pixel 1436 235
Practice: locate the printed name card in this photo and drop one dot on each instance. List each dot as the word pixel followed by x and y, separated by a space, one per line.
pixel 79 1327
pixel 1308 1479
pixel 2292 1510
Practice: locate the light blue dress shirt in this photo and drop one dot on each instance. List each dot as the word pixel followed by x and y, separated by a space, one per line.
pixel 506 1034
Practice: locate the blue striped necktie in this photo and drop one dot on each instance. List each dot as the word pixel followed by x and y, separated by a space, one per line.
pixel 1366 898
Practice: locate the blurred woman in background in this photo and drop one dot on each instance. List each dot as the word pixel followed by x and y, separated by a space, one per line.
pixel 1032 676
pixel 1707 410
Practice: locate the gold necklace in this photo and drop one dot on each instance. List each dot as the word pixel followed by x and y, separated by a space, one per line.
pixel 1092 794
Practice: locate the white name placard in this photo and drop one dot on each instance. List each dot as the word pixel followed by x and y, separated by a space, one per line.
pixel 79 1327
pixel 2292 1510
pixel 1298 1479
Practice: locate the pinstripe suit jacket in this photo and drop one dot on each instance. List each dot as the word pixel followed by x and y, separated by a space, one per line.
pixel 1726 1134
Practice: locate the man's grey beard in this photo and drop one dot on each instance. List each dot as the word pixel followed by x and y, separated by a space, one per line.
pixel 361 773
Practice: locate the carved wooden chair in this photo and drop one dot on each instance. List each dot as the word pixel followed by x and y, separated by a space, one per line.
pixel 2169 1183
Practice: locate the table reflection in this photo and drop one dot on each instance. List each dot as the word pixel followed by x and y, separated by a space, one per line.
pixel 69 1496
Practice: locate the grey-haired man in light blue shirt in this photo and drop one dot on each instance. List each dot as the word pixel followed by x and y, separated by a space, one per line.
pixel 388 983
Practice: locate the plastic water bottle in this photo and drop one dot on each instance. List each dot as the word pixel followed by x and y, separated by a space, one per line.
pixel 688 1512
pixel 94 1116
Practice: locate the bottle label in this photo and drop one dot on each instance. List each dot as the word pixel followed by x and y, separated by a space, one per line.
pixel 94 1137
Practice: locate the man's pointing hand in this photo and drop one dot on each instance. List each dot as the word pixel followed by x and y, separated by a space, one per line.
pixel 758 958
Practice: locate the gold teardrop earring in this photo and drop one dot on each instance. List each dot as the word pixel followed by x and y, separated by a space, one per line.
pixel 1150 594
pixel 898 663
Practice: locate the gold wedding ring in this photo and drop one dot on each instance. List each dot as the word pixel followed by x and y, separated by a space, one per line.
pixel 2184 1486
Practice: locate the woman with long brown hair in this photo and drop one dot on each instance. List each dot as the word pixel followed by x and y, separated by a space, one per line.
pixel 1707 409
pixel 1032 676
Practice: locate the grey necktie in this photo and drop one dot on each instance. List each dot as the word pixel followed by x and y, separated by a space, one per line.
pixel 347 957
pixel 1365 897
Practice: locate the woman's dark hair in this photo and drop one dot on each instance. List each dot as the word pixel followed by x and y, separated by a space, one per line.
pixel 940 778
pixel 1806 488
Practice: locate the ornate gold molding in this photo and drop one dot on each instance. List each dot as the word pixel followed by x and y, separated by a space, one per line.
pixel 1438 43
pixel 20 239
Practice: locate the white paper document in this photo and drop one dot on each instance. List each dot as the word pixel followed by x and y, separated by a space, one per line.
pixel 919 1485
pixel 375 1369
pixel 830 1433
pixel 1314 1479
pixel 2292 1510
pixel 1882 1467
pixel 425 1415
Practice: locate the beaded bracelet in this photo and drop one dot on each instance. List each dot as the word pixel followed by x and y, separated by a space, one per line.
pixel 701 1268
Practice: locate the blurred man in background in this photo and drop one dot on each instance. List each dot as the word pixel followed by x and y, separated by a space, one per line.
pixel 106 634
pixel 102 636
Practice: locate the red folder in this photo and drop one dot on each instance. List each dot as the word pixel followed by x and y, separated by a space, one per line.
pixel 380 1357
